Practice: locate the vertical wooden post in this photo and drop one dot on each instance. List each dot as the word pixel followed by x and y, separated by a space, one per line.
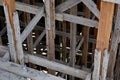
pixel 105 25
pixel 64 52
pixel 86 38
pixel 50 29
pixel 73 28
pixel 27 19
pixel 114 45
pixel 13 30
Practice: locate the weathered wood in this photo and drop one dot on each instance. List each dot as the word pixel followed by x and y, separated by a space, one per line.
pixel 66 5
pixel 80 20
pixel 114 45
pixel 73 29
pixel 26 72
pixel 39 39
pixel 113 1
pixel 32 24
pixel 52 65
pixel 13 28
pixel 60 16
pixel 105 65
pixel 104 29
pixel 73 32
pixel 79 44
pixel 85 33
pixel 64 42
pixel 57 66
pixel 27 19
pixel 97 62
pixel 117 68
pixel 92 7
pixel 50 29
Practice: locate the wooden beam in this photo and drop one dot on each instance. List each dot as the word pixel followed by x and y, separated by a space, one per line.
pixel 57 66
pixel 13 29
pixel 80 20
pixel 39 39
pixel 27 18
pixel 50 29
pixel 114 45
pixel 85 33
pixel 113 1
pixel 26 72
pixel 97 60
pixel 73 32
pixel 105 25
pixel 92 7
pixel 32 24
pixel 79 44
pixel 67 5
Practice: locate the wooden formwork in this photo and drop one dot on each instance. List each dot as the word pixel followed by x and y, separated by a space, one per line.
pixel 60 37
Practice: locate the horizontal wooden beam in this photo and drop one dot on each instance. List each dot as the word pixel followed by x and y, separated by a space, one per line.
pixel 26 72
pixel 80 20
pixel 66 5
pixel 53 65
pixel 58 16
pixel 113 1
pixel 57 66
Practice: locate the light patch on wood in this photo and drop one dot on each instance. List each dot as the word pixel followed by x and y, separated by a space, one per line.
pixel 96 71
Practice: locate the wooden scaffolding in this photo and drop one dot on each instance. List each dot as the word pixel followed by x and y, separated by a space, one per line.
pixel 60 39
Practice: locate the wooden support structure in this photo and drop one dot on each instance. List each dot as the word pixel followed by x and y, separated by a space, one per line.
pixel 27 19
pixel 85 34
pixel 50 29
pixel 13 30
pixel 26 72
pixel 59 37
pixel 114 45
pixel 104 29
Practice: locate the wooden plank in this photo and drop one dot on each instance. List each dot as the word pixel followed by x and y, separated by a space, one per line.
pixel 19 50
pixel 51 64
pixel 85 33
pixel 114 45
pixel 117 68
pixel 57 66
pixel 79 44
pixel 39 39
pixel 26 72
pixel 97 62
pixel 113 1
pixel 92 7
pixel 73 32
pixel 32 24
pixel 66 5
pixel 80 20
pixel 50 29
pixel 64 42
pixel 13 30
pixel 27 18
pixel 105 25
pixel 105 65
